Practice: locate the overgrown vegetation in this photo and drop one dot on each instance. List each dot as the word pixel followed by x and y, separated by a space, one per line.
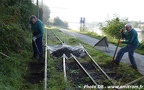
pixel 113 27
pixel 121 74
pixel 15 41
pixel 140 48
pixel 12 71
pixel 13 24
pixel 55 73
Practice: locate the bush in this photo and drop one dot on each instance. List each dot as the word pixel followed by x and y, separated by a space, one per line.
pixel 13 24
pixel 113 27
pixel 12 38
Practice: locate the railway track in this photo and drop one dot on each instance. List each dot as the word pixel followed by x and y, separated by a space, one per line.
pixel 86 67
pixel 89 69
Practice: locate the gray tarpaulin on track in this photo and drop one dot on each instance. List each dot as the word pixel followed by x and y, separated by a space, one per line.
pixel 58 50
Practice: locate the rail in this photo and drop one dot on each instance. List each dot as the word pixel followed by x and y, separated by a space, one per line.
pixel 58 37
pixel 84 70
pixel 64 70
pixel 95 64
pixel 93 61
pixel 45 72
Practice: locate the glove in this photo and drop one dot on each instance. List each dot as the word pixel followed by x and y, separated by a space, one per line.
pixel 119 41
pixel 121 30
pixel 34 38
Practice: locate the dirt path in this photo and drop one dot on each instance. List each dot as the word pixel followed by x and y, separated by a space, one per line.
pixel 92 41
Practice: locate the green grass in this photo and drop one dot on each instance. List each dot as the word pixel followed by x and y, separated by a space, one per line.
pixel 92 34
pixel 56 80
pixel 126 73
pixel 65 38
pixel 56 77
pixel 13 69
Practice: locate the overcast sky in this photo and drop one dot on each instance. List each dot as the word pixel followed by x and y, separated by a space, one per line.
pixel 96 10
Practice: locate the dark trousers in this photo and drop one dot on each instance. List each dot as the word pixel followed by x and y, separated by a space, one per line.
pixel 130 49
pixel 37 48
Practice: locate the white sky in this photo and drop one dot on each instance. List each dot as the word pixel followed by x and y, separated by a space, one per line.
pixel 96 10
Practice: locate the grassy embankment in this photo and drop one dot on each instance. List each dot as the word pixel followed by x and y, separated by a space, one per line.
pixel 13 69
pixel 15 41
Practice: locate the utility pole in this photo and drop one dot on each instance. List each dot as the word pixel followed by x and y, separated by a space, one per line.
pixel 82 24
pixel 42 3
pixel 37 9
pixel 42 10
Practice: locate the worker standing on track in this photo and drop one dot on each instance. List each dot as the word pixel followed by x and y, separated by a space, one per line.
pixel 131 39
pixel 37 33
